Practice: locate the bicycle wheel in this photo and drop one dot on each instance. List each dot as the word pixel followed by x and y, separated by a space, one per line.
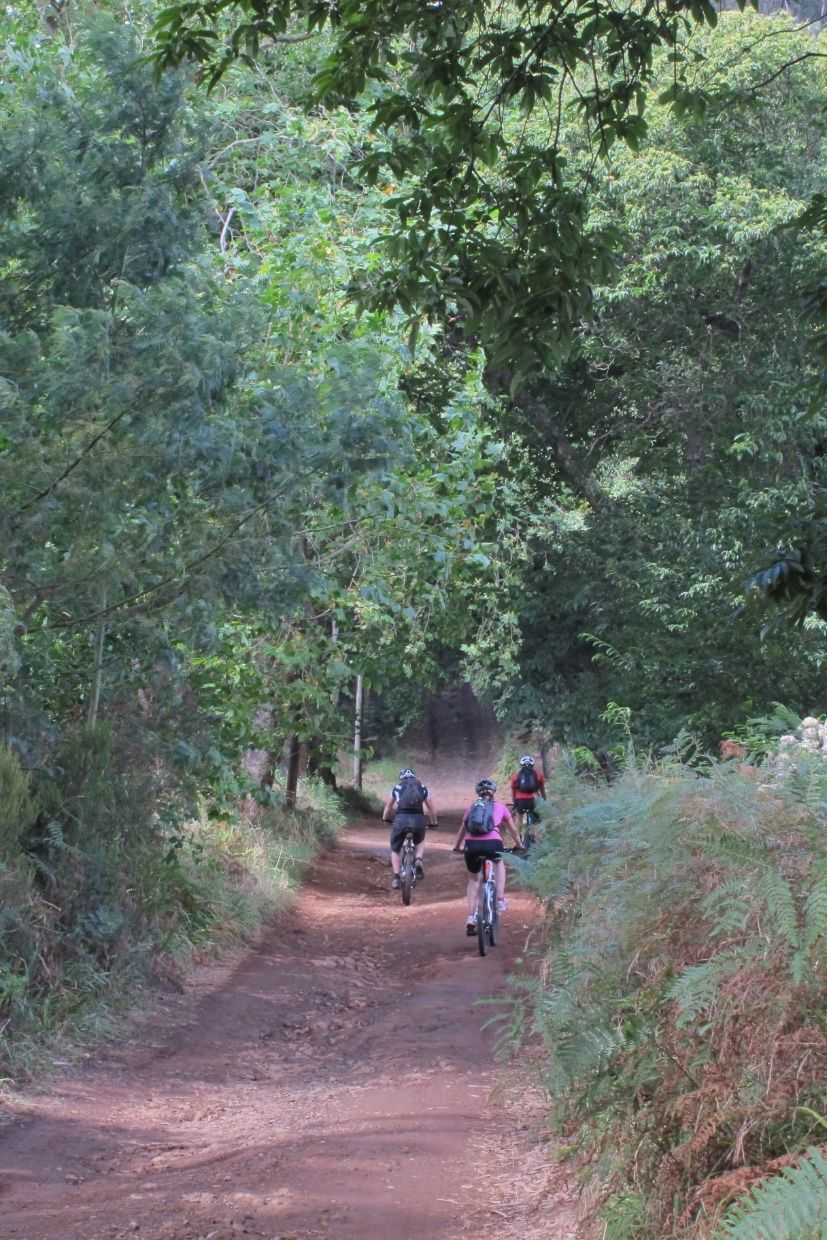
pixel 482 928
pixel 527 833
pixel 407 874
pixel 494 924
pixel 483 910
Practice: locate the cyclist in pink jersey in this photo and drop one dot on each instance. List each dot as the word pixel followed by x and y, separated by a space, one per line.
pixel 484 839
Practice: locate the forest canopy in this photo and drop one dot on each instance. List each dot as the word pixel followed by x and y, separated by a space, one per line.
pixel 521 290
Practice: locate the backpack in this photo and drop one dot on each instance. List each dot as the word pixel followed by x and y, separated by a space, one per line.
pixel 411 796
pixel 527 780
pixel 480 818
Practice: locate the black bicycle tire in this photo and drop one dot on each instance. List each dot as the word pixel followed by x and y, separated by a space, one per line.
pixel 407 881
pixel 481 927
pixel 494 928
pixel 527 838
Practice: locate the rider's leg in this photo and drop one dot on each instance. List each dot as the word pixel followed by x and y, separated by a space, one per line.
pixel 420 833
pixel 472 893
pixel 499 878
pixel 396 848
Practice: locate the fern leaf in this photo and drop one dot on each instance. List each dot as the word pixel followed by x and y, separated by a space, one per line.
pixel 696 990
pixel 778 896
pixel 815 913
pixel 789 1206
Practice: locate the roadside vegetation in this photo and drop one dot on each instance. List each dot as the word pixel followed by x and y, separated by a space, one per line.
pixel 679 993
pixel 102 897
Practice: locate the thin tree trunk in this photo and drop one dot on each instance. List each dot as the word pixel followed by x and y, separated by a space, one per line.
pixel 357 733
pixel 97 671
pixel 293 761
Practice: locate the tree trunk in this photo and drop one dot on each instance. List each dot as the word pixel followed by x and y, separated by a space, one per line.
pixel 293 760
pixel 357 733
pixel 97 671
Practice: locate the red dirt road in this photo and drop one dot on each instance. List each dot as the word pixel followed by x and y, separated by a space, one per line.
pixel 332 1081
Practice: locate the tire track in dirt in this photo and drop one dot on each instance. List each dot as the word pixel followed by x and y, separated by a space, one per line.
pixel 331 1081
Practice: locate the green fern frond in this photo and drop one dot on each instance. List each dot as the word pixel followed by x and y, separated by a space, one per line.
pixel 57 839
pixel 732 849
pixel 778 896
pixel 806 783
pixel 814 929
pixel 815 913
pixel 696 990
pixel 728 906
pixel 583 1051
pixel 789 1206
pixel 42 868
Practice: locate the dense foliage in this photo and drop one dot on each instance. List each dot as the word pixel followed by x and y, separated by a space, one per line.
pixel 215 494
pixel 680 1000
pixel 683 434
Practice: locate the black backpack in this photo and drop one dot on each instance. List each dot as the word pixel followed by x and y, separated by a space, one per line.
pixel 480 820
pixel 527 780
pixel 411 796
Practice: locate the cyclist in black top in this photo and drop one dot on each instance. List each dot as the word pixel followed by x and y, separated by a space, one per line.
pixel 408 803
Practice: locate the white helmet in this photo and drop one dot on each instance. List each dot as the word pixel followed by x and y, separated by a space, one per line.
pixel 526 760
pixel 406 774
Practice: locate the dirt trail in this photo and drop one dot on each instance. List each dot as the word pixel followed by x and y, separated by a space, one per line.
pixel 330 1082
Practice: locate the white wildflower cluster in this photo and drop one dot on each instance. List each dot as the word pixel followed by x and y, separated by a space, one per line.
pixel 810 736
pixel 808 741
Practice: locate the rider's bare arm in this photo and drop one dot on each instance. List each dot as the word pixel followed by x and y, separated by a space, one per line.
pixel 508 822
pixel 430 810
pixel 388 808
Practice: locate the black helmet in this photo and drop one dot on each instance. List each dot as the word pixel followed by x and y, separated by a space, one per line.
pixel 486 787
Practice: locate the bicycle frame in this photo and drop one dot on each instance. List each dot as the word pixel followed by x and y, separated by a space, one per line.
pixel 407 867
pixel 487 915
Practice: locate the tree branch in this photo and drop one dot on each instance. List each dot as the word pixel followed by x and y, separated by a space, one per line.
pixel 74 464
pixel 175 579
pixel 789 65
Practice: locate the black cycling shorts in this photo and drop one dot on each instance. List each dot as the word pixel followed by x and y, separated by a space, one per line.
pixel 524 807
pixel 477 850
pixel 402 824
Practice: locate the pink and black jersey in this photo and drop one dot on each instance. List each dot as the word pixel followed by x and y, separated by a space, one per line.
pixel 501 814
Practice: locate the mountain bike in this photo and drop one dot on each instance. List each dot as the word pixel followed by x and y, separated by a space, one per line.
pixel 487 914
pixel 407 867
